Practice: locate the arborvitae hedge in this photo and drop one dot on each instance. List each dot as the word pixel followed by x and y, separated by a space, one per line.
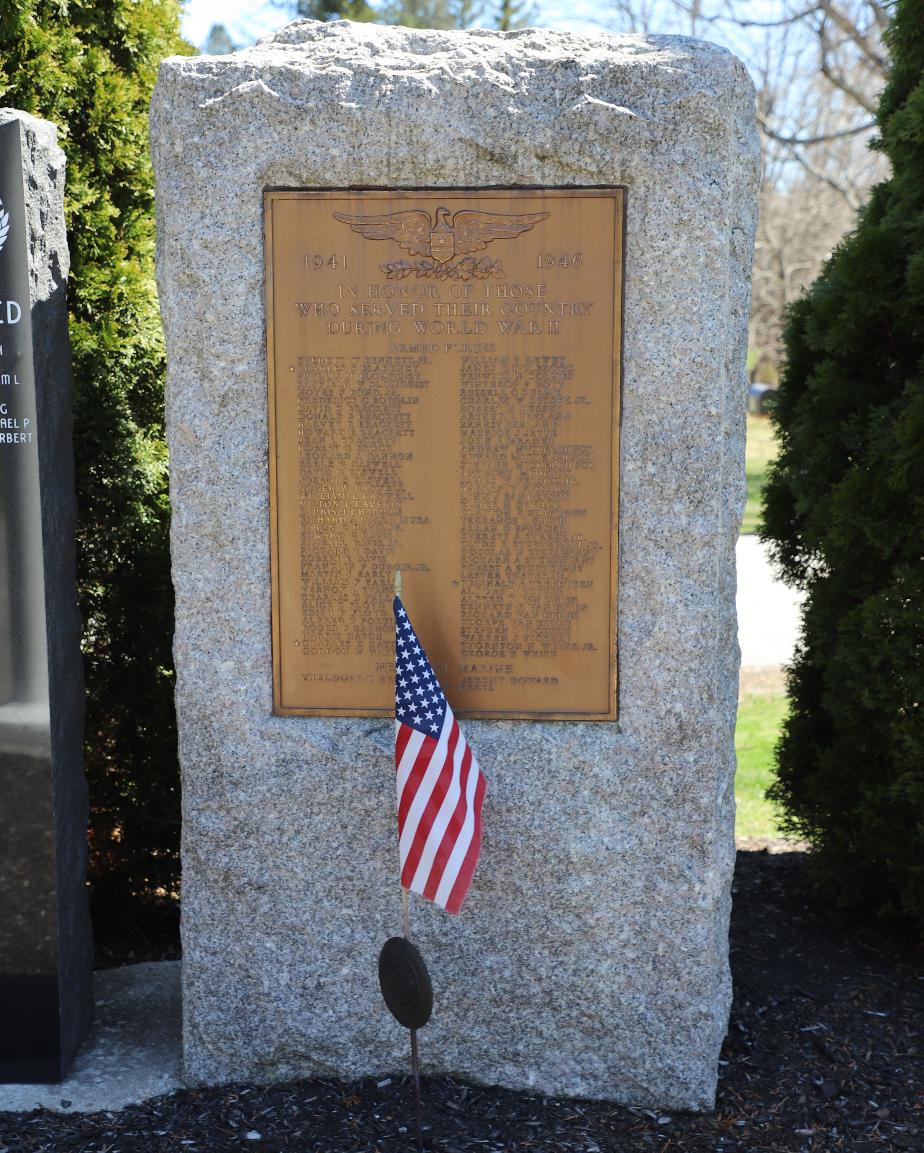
pixel 845 518
pixel 90 68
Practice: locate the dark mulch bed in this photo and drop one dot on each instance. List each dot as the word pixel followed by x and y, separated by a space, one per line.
pixel 823 1055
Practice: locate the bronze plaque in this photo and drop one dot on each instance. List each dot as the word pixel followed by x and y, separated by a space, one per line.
pixel 444 400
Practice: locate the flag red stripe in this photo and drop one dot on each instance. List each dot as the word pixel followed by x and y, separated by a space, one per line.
pixel 428 816
pixel 415 776
pixel 402 736
pixel 466 872
pixel 444 852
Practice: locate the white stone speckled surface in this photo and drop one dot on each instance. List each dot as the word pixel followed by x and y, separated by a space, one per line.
pixel 591 957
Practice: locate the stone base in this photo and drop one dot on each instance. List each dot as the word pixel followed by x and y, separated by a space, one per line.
pixel 131 1054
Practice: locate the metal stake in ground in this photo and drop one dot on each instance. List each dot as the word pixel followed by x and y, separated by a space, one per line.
pixel 415 1057
pixel 405 985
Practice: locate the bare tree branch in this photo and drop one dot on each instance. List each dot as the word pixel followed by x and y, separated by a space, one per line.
pixel 866 45
pixel 881 14
pixel 842 189
pixel 807 141
pixel 784 21
pixel 841 82
pixel 819 66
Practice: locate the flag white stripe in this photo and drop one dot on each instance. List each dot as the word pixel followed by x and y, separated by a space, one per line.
pixel 438 828
pixel 411 749
pixel 431 776
pixel 464 839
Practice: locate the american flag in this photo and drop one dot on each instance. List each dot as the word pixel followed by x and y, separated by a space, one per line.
pixel 440 786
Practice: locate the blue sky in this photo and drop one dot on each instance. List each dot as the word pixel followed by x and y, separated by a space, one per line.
pixel 246 22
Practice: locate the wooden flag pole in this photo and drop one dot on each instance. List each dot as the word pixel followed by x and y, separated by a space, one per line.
pixel 406 927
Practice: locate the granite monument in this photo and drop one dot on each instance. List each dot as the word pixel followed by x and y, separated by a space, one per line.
pixel 592 955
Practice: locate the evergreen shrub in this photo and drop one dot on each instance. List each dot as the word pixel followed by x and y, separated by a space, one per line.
pixel 844 517
pixel 89 66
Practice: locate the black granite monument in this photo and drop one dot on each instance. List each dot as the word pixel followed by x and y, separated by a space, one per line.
pixel 45 938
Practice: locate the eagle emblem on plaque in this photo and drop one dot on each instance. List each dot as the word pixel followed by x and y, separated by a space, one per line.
pixel 445 244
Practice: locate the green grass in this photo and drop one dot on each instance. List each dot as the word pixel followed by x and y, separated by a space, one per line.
pixel 760 716
pixel 760 450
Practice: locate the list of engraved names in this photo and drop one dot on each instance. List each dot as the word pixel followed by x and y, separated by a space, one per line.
pixel 444 401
